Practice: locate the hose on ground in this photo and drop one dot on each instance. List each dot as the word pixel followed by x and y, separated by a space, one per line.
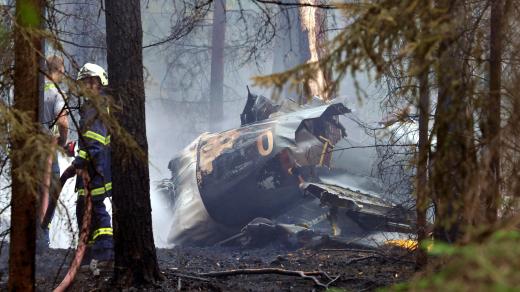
pixel 82 245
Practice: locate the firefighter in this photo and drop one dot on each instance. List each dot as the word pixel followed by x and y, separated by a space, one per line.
pixel 92 164
pixel 53 117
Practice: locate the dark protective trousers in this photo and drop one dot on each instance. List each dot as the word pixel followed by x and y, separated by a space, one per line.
pixel 100 240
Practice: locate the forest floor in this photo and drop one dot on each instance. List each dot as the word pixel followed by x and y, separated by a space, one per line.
pixel 183 268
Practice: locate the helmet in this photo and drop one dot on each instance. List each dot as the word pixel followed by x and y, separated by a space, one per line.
pixel 93 70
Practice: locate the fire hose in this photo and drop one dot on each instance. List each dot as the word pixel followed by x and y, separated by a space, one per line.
pixel 47 218
pixel 82 245
pixel 53 200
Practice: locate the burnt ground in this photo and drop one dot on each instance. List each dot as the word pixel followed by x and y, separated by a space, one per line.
pixel 358 270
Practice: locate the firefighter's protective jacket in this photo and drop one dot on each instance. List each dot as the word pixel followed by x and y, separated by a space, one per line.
pixel 94 153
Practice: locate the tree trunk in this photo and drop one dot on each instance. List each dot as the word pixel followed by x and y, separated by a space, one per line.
pixel 26 100
pixel 135 256
pixel 422 167
pixel 454 163
pixel 321 48
pixel 312 42
pixel 218 38
pixel 491 110
pixel 446 157
pixel 300 37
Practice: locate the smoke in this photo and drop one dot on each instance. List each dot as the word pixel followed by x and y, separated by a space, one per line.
pixel 177 97
pixel 173 123
pixel 63 231
pixel 5 200
pixel 177 102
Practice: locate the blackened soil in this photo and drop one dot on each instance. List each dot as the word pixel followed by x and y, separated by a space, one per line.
pixel 358 270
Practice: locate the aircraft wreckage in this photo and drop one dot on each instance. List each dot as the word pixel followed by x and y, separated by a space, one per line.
pixel 264 179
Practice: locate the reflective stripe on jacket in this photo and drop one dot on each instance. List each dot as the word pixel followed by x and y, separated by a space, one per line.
pixel 94 153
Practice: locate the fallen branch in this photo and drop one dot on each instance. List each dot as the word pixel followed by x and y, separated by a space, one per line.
pixel 181 275
pixel 355 260
pixel 351 250
pixel 374 252
pixel 301 274
pixel 356 250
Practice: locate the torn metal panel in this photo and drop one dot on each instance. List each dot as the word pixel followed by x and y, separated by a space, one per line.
pixel 262 231
pixel 257 108
pixel 190 220
pixel 368 211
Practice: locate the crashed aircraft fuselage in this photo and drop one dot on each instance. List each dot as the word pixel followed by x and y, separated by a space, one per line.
pixel 222 181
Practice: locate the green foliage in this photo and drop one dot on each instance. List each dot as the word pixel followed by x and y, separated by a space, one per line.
pixel 334 289
pixel 382 34
pixel 489 266
pixel 28 12
pixel 4 36
pixel 439 248
pixel 36 147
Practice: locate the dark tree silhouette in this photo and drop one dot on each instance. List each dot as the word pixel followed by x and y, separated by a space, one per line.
pixel 422 166
pixel 135 256
pixel 26 100
pixel 491 111
pixel 217 63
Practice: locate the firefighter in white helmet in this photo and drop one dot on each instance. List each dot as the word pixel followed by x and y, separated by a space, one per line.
pixel 93 70
pixel 92 164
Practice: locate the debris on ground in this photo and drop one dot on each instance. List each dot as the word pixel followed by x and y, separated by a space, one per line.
pixel 271 268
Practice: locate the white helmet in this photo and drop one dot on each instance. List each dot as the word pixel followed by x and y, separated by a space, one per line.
pixel 93 70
